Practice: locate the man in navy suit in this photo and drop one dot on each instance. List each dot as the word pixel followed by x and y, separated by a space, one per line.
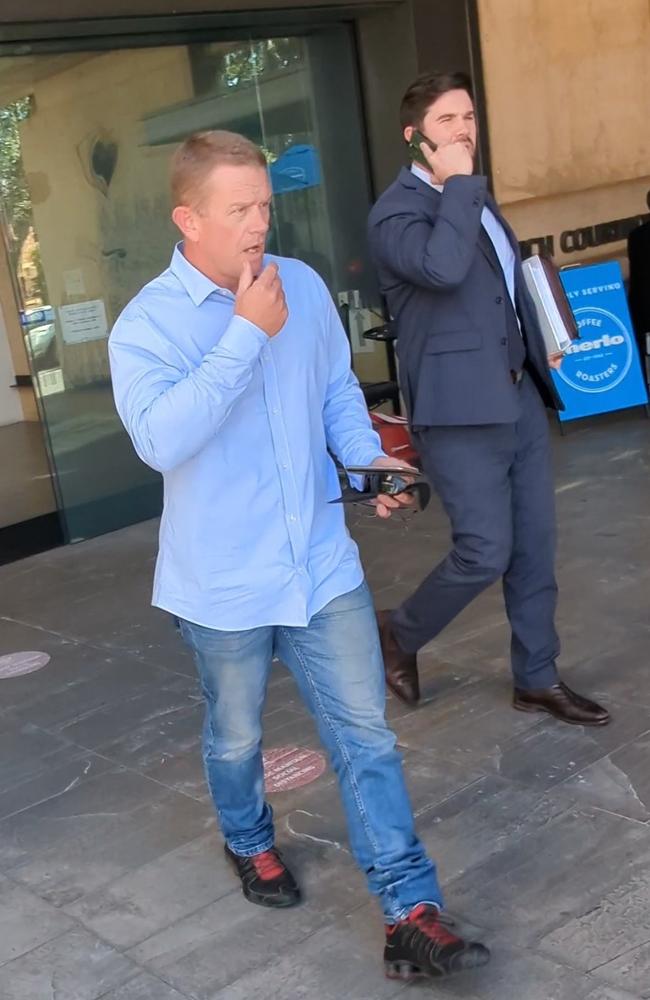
pixel 475 378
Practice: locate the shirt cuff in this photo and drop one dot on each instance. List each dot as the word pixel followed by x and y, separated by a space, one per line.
pixel 242 340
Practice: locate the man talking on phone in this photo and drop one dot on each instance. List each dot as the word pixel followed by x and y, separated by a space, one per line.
pixel 475 377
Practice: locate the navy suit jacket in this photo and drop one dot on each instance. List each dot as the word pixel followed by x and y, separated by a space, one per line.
pixel 446 294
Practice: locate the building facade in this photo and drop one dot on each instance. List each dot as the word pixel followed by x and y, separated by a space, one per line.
pixel 94 98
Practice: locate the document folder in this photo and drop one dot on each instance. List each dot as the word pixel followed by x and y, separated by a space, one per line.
pixel 553 309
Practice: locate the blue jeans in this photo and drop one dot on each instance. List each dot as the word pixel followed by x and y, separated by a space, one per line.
pixel 337 663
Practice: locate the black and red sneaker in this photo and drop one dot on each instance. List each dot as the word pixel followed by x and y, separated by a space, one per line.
pixel 265 878
pixel 421 946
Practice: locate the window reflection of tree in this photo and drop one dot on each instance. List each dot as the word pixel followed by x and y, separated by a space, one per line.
pixel 16 202
pixel 222 66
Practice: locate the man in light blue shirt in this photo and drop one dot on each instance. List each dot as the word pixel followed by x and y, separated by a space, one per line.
pixel 231 373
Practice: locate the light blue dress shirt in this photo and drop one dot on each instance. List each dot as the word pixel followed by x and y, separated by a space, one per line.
pixel 239 425
pixel 495 231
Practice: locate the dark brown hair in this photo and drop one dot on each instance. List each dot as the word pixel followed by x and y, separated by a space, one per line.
pixel 425 90
pixel 199 154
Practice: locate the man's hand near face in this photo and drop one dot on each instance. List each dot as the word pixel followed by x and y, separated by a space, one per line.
pixel 449 160
pixel 262 301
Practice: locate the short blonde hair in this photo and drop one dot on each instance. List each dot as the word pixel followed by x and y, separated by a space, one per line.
pixel 199 154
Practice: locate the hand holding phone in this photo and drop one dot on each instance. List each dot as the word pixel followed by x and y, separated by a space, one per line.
pixel 450 159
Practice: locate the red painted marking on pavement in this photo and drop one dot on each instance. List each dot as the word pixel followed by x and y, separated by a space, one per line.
pixel 291 767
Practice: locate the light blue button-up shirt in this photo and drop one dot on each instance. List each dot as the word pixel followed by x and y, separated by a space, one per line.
pixel 239 425
pixel 495 231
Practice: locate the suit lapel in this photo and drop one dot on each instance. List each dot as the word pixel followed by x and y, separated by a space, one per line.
pixel 485 243
pixel 520 287
pixel 521 303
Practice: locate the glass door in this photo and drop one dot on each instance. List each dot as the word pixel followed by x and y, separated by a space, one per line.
pixel 28 506
pixel 93 135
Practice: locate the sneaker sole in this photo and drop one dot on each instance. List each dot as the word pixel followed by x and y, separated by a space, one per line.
pixel 406 972
pixel 271 902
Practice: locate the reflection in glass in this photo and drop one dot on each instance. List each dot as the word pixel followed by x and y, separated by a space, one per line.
pixel 83 184
pixel 25 478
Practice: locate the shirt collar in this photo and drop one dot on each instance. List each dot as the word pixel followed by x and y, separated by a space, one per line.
pixel 425 176
pixel 197 285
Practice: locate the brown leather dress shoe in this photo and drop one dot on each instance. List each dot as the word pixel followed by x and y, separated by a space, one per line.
pixel 563 704
pixel 400 667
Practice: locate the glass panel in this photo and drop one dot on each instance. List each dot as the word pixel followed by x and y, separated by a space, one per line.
pixel 94 135
pixel 26 490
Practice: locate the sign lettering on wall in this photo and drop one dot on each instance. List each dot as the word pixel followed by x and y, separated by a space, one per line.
pixel 584 238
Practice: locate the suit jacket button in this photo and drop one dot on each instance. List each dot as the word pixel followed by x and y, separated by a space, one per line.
pixel 498 300
pixel 504 341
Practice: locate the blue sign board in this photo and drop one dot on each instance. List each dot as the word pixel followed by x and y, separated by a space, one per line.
pixel 601 371
pixel 297 169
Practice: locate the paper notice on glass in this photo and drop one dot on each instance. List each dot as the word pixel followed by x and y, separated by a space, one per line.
pixel 82 321
pixel 73 282
pixel 554 312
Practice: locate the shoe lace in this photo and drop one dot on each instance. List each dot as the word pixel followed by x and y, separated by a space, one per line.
pixel 427 920
pixel 268 865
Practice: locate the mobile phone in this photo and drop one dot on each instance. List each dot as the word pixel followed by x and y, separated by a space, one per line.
pixel 415 142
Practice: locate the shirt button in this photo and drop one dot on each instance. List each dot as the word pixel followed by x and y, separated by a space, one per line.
pixel 292 517
pixel 275 410
pixel 498 300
